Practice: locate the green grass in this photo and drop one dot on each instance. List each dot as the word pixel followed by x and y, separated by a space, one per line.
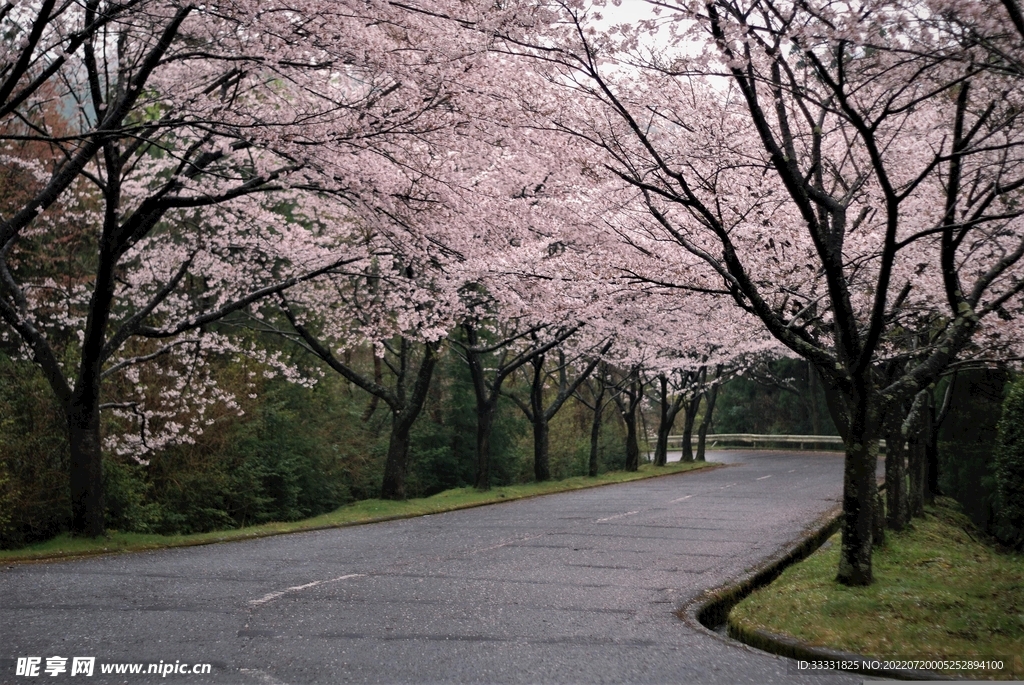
pixel 938 593
pixel 365 511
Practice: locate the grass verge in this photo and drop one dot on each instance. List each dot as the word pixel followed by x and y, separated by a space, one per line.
pixel 365 511
pixel 939 593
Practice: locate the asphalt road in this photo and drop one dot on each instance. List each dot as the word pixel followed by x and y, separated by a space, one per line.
pixel 571 588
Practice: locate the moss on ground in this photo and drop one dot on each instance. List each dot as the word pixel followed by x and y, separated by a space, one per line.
pixel 365 511
pixel 939 592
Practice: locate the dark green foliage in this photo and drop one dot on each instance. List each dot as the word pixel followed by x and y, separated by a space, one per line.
pixel 785 398
pixel 296 472
pixel 611 445
pixel 127 494
pixel 1009 468
pixel 967 441
pixel 284 461
pixel 295 452
pixel 442 453
pixel 967 447
pixel 34 496
pixel 441 449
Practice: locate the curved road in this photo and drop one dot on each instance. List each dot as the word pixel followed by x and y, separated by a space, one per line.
pixel 577 587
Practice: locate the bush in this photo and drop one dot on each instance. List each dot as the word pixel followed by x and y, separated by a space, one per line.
pixel 126 490
pixel 295 453
pixel 35 498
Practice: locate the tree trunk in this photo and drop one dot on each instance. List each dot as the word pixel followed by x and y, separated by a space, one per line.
pixel 691 416
pixel 705 424
pixel 404 414
pixel 668 410
pixel 664 423
pixel 895 479
pixel 486 409
pixel 916 427
pixel 632 448
pixel 485 412
pixel 917 465
pixel 541 464
pixel 397 461
pixel 83 407
pixel 931 450
pixel 630 388
pixel 595 433
pixel 87 507
pixel 539 419
pixel 859 488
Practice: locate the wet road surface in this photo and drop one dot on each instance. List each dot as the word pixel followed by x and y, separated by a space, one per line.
pixel 578 587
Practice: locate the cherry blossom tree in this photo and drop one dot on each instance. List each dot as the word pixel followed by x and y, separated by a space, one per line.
pixel 842 171
pixel 628 398
pixel 596 394
pixel 493 353
pixel 398 308
pixel 670 402
pixel 565 378
pixel 207 153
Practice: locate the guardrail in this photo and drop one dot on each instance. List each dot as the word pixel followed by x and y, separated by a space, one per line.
pixel 764 441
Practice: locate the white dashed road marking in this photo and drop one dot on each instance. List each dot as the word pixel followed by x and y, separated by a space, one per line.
pixel 265 678
pixel 274 595
pixel 618 516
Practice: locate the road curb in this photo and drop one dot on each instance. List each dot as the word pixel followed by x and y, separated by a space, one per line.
pixel 710 611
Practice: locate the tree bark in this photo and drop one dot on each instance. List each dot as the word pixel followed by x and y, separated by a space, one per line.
pixel 896 514
pixel 485 412
pixel 405 410
pixel 87 506
pixel 688 421
pixel 595 432
pixel 859 487
pixel 916 467
pixel 630 388
pixel 538 417
pixel 632 448
pixel 397 463
pixel 664 423
pixel 705 424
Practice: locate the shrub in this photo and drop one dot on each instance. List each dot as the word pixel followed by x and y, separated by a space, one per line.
pixel 35 499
